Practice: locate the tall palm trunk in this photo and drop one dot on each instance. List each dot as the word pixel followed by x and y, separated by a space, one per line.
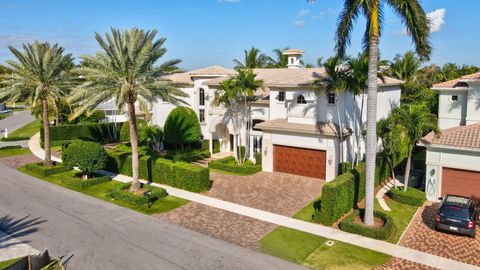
pixel 134 144
pixel 340 145
pixel 371 117
pixel 392 171
pixel 407 169
pixel 360 125
pixel 46 133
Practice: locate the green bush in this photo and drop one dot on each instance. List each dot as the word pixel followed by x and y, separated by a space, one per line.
pixel 187 155
pixel 121 193
pixel 412 196
pixel 258 158
pixel 101 132
pixel 87 156
pixel 47 171
pixel 216 146
pixel 229 164
pixel 125 130
pixel 343 193
pixel 160 170
pixel 182 127
pixel 77 182
pixel 14 138
pixel 381 233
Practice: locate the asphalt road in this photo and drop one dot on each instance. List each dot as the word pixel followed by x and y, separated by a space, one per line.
pixel 18 120
pixel 98 235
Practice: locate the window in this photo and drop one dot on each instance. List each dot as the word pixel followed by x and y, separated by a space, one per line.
pixel 281 96
pixel 201 97
pixel 201 115
pixel 331 98
pixel 454 98
pixel 301 100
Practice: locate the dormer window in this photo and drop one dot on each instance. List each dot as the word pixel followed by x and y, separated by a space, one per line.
pixel 281 96
pixel 201 97
pixel 454 98
pixel 331 98
pixel 301 100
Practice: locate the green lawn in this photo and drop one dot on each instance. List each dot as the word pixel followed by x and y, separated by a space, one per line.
pixel 401 214
pixel 99 191
pixel 10 151
pixel 225 172
pixel 27 131
pixel 311 251
pixel 7 263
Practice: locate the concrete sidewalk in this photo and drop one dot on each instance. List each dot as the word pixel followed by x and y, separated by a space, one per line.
pixel 316 229
pixel 11 248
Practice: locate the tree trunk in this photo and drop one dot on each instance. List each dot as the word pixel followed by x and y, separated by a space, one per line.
pixel 371 148
pixel 46 134
pixel 390 163
pixel 340 145
pixel 355 131
pixel 361 124
pixel 134 144
pixel 407 170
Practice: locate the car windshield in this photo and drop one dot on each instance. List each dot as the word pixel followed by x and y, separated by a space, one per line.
pixel 455 211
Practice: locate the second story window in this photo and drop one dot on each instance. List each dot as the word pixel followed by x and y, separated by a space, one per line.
pixel 201 115
pixel 201 97
pixel 301 100
pixel 281 96
pixel 454 98
pixel 331 98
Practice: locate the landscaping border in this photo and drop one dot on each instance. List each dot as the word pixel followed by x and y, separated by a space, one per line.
pixel 383 233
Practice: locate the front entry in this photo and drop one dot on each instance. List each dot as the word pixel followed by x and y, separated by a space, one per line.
pixel 299 161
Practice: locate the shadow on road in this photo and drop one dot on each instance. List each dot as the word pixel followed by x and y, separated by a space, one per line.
pixel 17 228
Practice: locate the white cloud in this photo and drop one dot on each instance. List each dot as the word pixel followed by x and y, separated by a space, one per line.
pixel 303 12
pixel 299 23
pixel 325 12
pixel 229 1
pixel 436 19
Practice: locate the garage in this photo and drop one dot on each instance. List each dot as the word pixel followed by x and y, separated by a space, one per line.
pixel 460 182
pixel 299 161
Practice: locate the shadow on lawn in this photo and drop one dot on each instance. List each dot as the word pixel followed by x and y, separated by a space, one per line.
pixel 17 228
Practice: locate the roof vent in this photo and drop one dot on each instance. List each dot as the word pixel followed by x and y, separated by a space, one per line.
pixel 294 56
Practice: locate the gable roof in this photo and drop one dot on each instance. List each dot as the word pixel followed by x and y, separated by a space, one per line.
pixel 321 128
pixel 464 137
pixel 455 82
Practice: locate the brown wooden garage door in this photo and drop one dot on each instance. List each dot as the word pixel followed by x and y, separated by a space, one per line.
pixel 299 161
pixel 460 182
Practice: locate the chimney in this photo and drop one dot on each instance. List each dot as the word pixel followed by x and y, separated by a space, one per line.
pixel 294 56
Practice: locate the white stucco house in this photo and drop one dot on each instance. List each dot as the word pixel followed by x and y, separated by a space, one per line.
pixel 453 158
pixel 295 125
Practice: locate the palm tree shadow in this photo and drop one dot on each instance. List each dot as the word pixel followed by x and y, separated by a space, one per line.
pixel 17 228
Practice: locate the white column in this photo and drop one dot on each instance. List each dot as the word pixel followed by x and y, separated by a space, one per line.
pixel 210 143
pixel 251 147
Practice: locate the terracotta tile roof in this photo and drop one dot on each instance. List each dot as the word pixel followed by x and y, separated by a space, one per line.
pixel 466 137
pixel 321 128
pixel 454 83
pixel 293 77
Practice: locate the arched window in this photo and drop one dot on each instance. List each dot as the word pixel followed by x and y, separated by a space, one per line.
pixel 301 100
pixel 201 97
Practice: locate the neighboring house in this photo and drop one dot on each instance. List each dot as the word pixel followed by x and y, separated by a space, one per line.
pixel 295 125
pixel 453 158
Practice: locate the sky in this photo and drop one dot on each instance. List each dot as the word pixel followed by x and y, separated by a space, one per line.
pixel 214 32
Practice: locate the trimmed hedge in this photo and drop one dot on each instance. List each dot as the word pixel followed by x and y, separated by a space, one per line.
pixel 125 130
pixel 87 156
pixel 412 196
pixel 47 171
pixel 346 190
pixel 187 155
pixel 182 127
pixel 15 138
pixel 229 164
pixel 79 183
pixel 160 170
pixel 121 193
pixel 98 132
pixel 382 233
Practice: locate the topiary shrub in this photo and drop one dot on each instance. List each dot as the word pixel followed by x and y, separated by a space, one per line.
pixel 76 182
pixel 87 156
pixel 381 233
pixel 182 127
pixel 125 130
pixel 229 164
pixel 121 193
pixel 412 196
pixel 38 168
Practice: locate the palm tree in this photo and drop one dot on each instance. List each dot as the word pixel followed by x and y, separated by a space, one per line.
pixel 405 67
pixel 253 59
pixel 125 70
pixel 417 121
pixel 392 136
pixel 416 22
pixel 280 60
pixel 41 75
pixel 336 82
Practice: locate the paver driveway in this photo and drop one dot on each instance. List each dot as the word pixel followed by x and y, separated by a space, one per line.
pixel 422 236
pixel 279 193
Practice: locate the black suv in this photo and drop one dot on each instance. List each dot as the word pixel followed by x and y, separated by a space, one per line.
pixel 457 214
